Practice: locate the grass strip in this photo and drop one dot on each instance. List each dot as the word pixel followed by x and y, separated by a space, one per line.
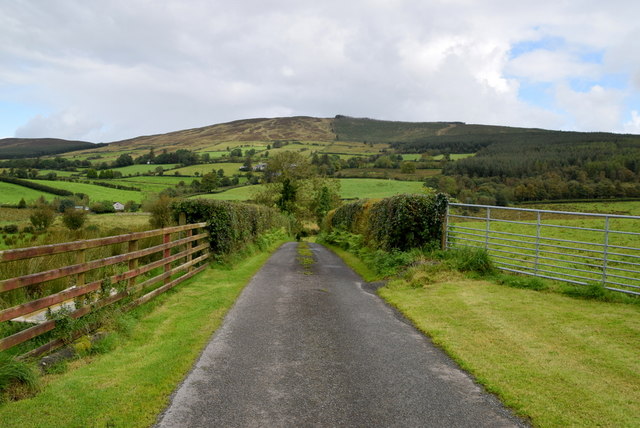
pixel 557 360
pixel 131 385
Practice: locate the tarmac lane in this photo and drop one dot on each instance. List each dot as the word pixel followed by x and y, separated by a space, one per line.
pixel 318 349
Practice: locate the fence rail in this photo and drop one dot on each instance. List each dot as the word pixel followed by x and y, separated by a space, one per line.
pixel 579 248
pixel 137 269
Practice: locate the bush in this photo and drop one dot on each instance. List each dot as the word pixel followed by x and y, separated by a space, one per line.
pixel 74 219
pixel 161 212
pixel 400 222
pixel 10 228
pixel 42 217
pixel 102 207
pixel 231 225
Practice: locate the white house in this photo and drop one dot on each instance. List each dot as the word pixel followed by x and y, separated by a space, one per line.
pixel 118 206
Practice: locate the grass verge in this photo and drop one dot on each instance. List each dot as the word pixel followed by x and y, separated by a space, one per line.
pixel 555 359
pixel 130 385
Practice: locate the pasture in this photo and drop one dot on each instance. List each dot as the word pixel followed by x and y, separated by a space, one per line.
pixel 352 188
pixel 12 193
pixel 229 169
pixel 97 193
pixel 143 168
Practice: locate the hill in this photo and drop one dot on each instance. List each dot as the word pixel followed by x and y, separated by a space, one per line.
pixel 14 148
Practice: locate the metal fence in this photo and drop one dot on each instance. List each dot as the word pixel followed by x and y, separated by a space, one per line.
pixel 579 248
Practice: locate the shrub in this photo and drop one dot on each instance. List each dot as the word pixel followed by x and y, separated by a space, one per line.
pixel 161 212
pixel 10 228
pixel 42 217
pixel 74 219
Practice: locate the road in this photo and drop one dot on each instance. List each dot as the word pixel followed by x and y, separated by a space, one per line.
pixel 317 349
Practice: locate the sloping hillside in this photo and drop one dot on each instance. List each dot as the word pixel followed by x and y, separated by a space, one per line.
pixel 12 148
pixel 286 128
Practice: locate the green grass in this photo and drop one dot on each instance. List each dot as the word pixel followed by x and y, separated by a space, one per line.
pixel 43 172
pixel 97 193
pixel 12 193
pixel 350 188
pixel 135 169
pixel 131 385
pixel 229 169
pixel 376 188
pixel 615 207
pixel 557 360
pixel 242 193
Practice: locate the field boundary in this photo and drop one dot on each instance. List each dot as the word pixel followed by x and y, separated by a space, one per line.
pixel 153 262
pixel 538 242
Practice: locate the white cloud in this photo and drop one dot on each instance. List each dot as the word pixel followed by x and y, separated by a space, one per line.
pixel 140 67
pixel 595 110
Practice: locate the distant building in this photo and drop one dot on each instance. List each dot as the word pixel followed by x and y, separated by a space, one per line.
pixel 81 208
pixel 118 206
pixel 260 166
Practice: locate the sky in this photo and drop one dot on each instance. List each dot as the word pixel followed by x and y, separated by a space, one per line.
pixel 108 70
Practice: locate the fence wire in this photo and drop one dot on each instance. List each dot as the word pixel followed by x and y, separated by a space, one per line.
pixel 579 248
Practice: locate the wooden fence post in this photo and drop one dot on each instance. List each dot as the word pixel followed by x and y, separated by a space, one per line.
pixel 133 263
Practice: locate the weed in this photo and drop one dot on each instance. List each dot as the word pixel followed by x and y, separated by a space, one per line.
pixel 17 379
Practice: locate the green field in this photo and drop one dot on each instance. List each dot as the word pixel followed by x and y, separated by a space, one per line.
pixel 141 169
pixel 12 193
pixel 42 172
pixel 622 207
pixel 96 193
pixel 242 193
pixel 351 188
pixel 354 188
pixel 229 169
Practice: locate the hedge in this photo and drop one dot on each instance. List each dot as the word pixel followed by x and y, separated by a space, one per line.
pixel 231 225
pixel 400 222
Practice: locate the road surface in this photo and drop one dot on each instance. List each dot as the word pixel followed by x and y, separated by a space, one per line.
pixel 301 349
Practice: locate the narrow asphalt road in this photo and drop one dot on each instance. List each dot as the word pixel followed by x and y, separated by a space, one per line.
pixel 317 349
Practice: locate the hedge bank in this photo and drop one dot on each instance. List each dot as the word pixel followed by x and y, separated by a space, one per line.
pixel 400 222
pixel 231 225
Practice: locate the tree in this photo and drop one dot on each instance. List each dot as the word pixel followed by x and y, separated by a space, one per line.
pixel 209 182
pixel 22 203
pixel 74 219
pixel 124 159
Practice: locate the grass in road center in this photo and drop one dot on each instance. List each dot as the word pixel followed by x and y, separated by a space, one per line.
pixel 130 385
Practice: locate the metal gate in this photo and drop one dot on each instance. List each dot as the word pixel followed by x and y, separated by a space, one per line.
pixel 580 248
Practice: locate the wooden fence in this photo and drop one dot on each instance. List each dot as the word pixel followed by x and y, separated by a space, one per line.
pixel 188 244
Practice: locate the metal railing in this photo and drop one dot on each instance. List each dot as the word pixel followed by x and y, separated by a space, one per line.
pixel 579 248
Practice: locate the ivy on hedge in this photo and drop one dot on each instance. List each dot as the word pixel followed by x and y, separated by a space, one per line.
pixel 400 222
pixel 231 225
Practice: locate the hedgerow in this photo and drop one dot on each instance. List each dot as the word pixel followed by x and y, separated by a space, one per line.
pixel 400 222
pixel 231 225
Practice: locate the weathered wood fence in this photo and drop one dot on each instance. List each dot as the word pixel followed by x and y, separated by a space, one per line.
pixel 182 251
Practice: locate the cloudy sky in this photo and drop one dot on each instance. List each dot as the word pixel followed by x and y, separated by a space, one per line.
pixel 113 69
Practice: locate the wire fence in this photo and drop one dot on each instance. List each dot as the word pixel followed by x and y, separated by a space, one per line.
pixel 579 248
